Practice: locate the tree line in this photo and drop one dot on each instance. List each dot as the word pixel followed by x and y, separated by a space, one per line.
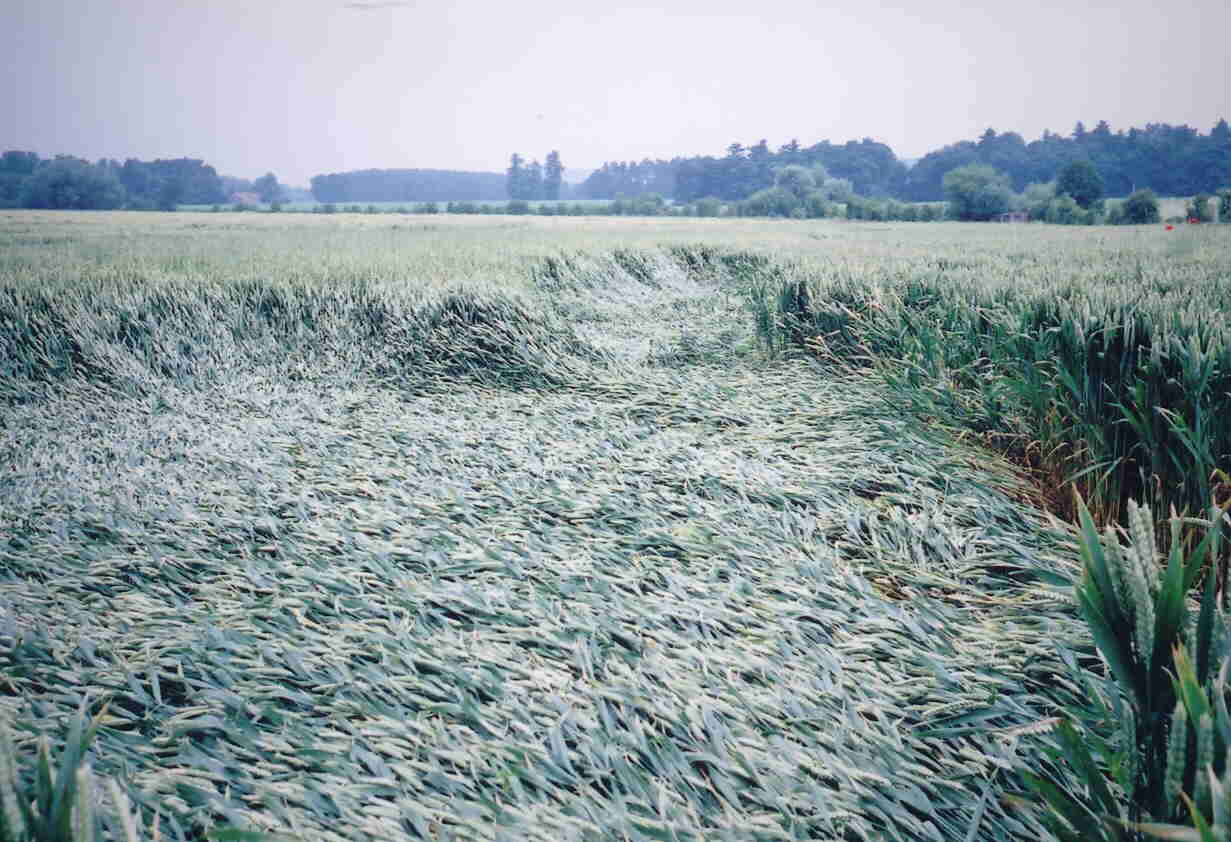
pixel 68 182
pixel 408 185
pixel 535 181
pixel 869 166
pixel 1172 160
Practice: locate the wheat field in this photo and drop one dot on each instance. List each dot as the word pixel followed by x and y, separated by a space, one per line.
pixel 363 527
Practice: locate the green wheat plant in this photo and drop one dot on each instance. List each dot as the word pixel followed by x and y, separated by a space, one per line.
pixel 1149 747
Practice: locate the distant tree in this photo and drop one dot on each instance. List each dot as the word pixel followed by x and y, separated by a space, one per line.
pixel 1140 208
pixel 553 176
pixel 268 188
pixel 534 180
pixel 977 192
pixel 836 189
pixel 71 183
pixel 1198 208
pixel 18 162
pixel 16 167
pixel 1036 198
pixel 795 179
pixel 232 185
pixel 1064 210
pixel 170 194
pixel 1224 204
pixel 517 177
pixel 772 201
pixel 1081 180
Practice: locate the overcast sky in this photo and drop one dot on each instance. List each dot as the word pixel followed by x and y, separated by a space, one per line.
pixel 302 87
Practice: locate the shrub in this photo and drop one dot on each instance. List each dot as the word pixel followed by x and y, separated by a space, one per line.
pixel 816 205
pixel 708 206
pixel 773 201
pixel 1064 210
pixel 517 207
pixel 836 189
pixel 796 180
pixel 1224 204
pixel 1140 208
pixel 1036 197
pixel 1198 208
pixel 977 192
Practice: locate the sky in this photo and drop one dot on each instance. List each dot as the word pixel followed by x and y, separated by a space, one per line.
pixel 301 87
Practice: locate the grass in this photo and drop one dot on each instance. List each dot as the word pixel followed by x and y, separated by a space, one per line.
pixel 479 528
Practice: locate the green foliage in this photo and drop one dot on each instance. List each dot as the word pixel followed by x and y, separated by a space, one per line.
pixel 1064 210
pixel 773 201
pixel 796 180
pixel 165 184
pixel 353 617
pixel 553 176
pixel 1081 180
pixel 517 207
pixel 1140 208
pixel 268 188
pixel 58 805
pixel 1117 385
pixel 1150 741
pixel 1036 198
pixel 405 185
pixel 977 192
pixel 1224 204
pixel 1198 208
pixel 708 206
pixel 72 184
pixel 1174 160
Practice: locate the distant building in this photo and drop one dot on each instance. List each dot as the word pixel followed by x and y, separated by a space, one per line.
pixel 1014 216
pixel 245 199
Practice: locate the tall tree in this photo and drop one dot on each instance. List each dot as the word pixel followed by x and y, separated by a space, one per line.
pixel 534 180
pixel 268 188
pixel 1082 181
pixel 517 177
pixel 553 176
pixel 71 183
pixel 977 192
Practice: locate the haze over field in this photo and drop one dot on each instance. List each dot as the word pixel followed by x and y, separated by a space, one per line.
pixel 309 86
